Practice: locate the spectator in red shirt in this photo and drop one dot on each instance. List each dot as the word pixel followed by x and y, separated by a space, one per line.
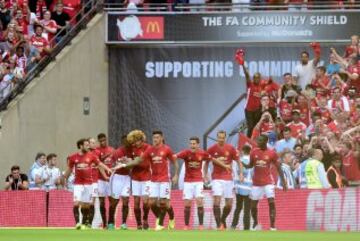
pixel 49 25
pixel 338 102
pixel 351 164
pixel 321 82
pixel 352 49
pixel 286 106
pixel 39 42
pixel 252 108
pixel 297 127
pixel 265 126
pixel 302 104
pixel 22 21
pixel 323 110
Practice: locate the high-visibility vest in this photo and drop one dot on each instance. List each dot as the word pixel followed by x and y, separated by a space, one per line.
pixel 338 176
pixel 311 173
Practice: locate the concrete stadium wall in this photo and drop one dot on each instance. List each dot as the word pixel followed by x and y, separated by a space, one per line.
pixel 49 115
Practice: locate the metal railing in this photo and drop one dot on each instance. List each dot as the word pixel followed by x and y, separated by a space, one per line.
pixel 252 6
pixel 77 23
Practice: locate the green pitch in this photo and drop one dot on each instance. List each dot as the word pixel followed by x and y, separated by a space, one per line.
pixel 100 235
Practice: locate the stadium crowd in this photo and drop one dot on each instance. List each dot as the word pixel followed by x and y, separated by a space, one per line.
pixel 27 34
pixel 316 108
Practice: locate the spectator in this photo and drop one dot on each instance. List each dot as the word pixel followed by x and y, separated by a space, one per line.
pixel 350 164
pixel 286 166
pixel 62 20
pixel 352 50
pixel 6 82
pixel 265 126
pixel 48 177
pixel 22 21
pixel 297 127
pixel 289 84
pixel 338 103
pixel 334 176
pixel 5 15
pixel 49 26
pixel 315 172
pixel 302 104
pixel 333 67
pixel 305 71
pixel 286 106
pixel 16 180
pixel 253 100
pixel 39 42
pixel 321 82
pixel 40 160
pixel 286 144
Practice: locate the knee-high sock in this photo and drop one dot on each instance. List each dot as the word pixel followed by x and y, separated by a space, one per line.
pixel 170 212
pixel 91 213
pixel 217 214
pixel 137 212
pixel 225 214
pixel 112 210
pixel 187 215
pixel 201 215
pixel 85 214
pixel 125 212
pixel 103 212
pixel 155 209
pixel 146 210
pixel 162 213
pixel 76 214
pixel 272 214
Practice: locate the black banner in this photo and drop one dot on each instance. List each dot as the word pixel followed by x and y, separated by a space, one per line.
pixel 257 26
pixel 184 90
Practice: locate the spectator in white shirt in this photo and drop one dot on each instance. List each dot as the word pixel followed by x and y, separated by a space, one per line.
pixel 48 177
pixel 286 144
pixel 286 166
pixel 40 160
pixel 305 71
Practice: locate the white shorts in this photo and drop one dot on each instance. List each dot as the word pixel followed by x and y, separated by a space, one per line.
pixel 95 190
pixel 140 188
pixel 193 190
pixel 222 188
pixel 257 192
pixel 82 193
pixel 119 186
pixel 103 188
pixel 160 190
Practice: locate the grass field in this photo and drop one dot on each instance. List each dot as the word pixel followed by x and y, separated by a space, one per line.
pixel 99 235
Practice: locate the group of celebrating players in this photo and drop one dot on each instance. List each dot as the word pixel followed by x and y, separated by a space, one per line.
pixel 142 170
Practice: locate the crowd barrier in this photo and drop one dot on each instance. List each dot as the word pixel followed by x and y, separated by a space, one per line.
pixel 327 210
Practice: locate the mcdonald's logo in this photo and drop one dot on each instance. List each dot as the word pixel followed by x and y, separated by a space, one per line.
pixel 152 27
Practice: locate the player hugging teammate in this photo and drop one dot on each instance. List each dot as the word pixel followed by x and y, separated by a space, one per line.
pixel 143 170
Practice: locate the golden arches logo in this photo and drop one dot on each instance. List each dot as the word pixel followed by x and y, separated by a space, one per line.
pixel 153 27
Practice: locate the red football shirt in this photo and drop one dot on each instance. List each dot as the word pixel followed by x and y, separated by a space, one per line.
pixel 325 114
pixel 40 43
pixel 193 164
pixel 271 89
pixel 296 128
pixel 230 154
pixel 304 113
pixel 351 167
pixel 262 160
pixel 95 171
pixel 82 163
pixel 105 156
pixel 158 158
pixel 118 157
pixel 253 96
pixel 285 110
pixel 141 172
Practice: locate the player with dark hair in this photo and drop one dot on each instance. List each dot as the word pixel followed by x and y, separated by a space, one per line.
pixel 194 185
pixel 104 151
pixel 120 184
pixel 158 155
pixel 261 159
pixel 82 163
pixel 222 184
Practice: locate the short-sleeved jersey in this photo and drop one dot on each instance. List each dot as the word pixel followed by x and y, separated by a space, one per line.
pixel 141 172
pixel 262 160
pixel 95 171
pixel 82 165
pixel 193 164
pixel 118 157
pixel 105 156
